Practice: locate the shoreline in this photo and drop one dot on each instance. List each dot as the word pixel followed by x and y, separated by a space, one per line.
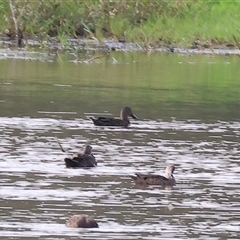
pixel 34 50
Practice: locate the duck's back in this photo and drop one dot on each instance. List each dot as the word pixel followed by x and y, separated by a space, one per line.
pixel 81 221
pixel 86 160
pixel 81 161
pixel 104 121
pixel 151 179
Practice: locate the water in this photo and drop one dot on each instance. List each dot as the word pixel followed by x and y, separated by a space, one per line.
pixel 188 109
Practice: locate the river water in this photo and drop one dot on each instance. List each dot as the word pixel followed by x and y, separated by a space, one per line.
pixel 188 110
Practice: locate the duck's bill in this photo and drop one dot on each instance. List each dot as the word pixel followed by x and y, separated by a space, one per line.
pixel 133 116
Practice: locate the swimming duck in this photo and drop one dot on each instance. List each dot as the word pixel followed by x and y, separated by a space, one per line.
pixel 81 221
pixel 123 121
pixel 151 179
pixel 81 160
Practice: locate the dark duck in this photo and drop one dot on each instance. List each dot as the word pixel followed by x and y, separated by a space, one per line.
pixel 123 121
pixel 80 160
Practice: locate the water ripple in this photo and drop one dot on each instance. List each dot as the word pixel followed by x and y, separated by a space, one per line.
pixel 38 193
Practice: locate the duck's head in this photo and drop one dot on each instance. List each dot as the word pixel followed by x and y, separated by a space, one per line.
pixel 87 149
pixel 127 112
pixel 169 170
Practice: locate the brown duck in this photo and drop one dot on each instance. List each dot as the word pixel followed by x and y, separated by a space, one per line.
pixel 123 121
pixel 151 179
pixel 81 221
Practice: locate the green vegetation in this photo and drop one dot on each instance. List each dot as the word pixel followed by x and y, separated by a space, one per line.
pixel 152 23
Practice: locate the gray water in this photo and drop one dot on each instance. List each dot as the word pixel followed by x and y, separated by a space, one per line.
pixel 188 110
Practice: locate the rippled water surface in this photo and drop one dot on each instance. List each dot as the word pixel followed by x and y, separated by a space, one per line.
pixel 191 124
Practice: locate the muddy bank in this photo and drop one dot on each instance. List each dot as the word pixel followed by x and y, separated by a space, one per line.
pixel 48 51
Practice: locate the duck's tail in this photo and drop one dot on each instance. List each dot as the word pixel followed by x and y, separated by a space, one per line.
pixel 134 177
pixel 93 119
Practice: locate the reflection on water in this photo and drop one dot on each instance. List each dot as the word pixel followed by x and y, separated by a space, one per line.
pixel 188 110
pixel 38 193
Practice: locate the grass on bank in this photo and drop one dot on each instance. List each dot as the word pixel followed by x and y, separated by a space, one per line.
pixel 151 23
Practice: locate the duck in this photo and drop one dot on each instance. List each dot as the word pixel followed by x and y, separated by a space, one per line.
pixel 81 160
pixel 123 121
pixel 152 179
pixel 81 221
